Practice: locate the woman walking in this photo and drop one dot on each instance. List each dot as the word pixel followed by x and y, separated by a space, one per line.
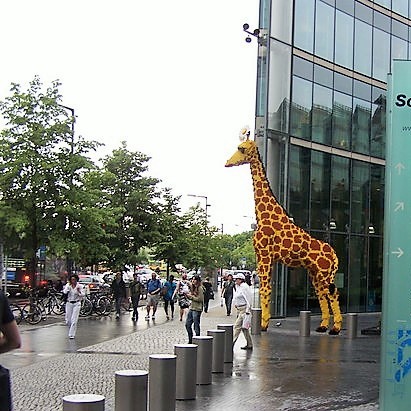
pixel 75 293
pixel 168 297
pixel 196 295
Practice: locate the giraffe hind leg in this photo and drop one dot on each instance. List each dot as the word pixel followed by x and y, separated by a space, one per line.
pixel 325 314
pixel 335 307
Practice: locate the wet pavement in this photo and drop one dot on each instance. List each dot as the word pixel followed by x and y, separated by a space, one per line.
pixel 283 372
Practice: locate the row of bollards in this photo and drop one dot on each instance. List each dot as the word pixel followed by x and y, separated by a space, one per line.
pixel 305 324
pixel 174 376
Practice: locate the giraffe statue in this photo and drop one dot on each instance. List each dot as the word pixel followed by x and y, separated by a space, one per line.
pixel 278 239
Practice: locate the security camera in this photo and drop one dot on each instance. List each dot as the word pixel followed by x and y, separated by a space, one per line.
pixel 246 26
pixel 248 39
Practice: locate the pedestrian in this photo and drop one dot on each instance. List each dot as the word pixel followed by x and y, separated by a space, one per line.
pixel 208 293
pixel 228 292
pixel 196 295
pixel 75 293
pixel 9 340
pixel 153 295
pixel 118 288
pixel 242 302
pixel 136 288
pixel 181 291
pixel 168 296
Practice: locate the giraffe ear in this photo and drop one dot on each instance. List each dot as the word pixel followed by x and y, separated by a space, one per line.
pixel 244 133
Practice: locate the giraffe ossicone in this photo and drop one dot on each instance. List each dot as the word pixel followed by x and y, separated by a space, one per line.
pixel 278 239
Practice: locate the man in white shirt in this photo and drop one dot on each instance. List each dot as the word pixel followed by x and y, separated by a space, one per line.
pixel 242 302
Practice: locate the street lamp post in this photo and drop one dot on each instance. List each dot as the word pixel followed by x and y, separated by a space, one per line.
pixel 206 203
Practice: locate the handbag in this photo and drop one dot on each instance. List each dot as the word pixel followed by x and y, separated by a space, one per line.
pixel 246 321
pixel 5 389
pixel 183 301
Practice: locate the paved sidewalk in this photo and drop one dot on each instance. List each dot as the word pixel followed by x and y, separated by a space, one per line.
pixel 283 372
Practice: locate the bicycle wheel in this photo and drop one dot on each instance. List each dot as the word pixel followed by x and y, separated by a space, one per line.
pixel 59 306
pixel 86 307
pixel 103 305
pixel 16 310
pixel 31 314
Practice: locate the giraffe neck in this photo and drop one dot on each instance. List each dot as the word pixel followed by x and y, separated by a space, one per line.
pixel 262 189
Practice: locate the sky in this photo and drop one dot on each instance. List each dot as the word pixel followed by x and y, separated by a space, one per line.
pixel 175 79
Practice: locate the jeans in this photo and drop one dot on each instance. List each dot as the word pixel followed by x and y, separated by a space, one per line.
pixel 193 317
pixel 228 301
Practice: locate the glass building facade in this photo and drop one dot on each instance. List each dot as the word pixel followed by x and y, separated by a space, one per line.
pixel 320 127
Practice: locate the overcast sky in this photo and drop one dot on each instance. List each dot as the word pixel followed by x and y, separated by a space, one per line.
pixel 173 78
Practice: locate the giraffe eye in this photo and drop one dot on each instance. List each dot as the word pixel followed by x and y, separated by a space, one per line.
pixel 241 150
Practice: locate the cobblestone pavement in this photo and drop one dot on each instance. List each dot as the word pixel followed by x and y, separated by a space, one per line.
pixel 283 372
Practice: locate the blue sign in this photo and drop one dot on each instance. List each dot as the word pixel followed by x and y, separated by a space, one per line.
pixel 395 381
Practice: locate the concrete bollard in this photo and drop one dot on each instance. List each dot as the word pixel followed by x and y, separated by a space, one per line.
pixel 186 371
pixel 228 346
pixel 305 323
pixel 352 325
pixel 162 382
pixel 217 364
pixel 83 402
pixel 131 390
pixel 256 314
pixel 204 358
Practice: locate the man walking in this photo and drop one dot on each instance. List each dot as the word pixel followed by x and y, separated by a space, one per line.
pixel 153 295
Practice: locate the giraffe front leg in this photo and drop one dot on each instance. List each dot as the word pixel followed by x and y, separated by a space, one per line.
pixel 265 307
pixel 325 313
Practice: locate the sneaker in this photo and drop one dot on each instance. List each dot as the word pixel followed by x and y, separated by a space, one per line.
pixel 147 317
pixel 117 316
pixel 133 318
pixel 153 317
pixel 71 337
pixel 167 317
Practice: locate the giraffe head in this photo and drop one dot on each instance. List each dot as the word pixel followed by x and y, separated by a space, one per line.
pixel 246 151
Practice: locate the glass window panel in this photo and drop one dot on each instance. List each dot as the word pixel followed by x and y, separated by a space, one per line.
pixel 320 190
pixel 322 114
pixel 342 83
pixel 361 126
pixel 400 7
pixel 299 174
pixel 324 31
pixel 279 86
pixel 381 61
pixel 399 48
pixel 346 5
pixel 399 29
pixel 301 104
pixel 281 21
pixel 360 197
pixel 342 110
pixel 303 68
pixel 375 269
pixel 340 193
pixel 382 22
pixel 377 198
pixel 323 76
pixel 303 24
pixel 378 128
pixel 362 90
pixel 362 48
pixel 357 277
pixel 363 13
pixel 344 34
pixel 330 2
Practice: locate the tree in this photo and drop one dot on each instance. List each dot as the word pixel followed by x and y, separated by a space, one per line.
pixel 133 197
pixel 42 172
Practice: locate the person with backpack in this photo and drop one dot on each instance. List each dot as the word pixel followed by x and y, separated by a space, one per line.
pixel 228 292
pixel 9 340
pixel 153 295
pixel 168 297
pixel 136 288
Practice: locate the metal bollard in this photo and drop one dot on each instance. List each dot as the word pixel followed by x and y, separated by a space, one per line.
pixel 83 402
pixel 352 325
pixel 256 321
pixel 204 358
pixel 228 346
pixel 162 382
pixel 305 320
pixel 217 363
pixel 186 371
pixel 131 390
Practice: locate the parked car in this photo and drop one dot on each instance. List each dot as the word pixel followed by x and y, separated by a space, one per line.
pixel 93 283
pixel 145 274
